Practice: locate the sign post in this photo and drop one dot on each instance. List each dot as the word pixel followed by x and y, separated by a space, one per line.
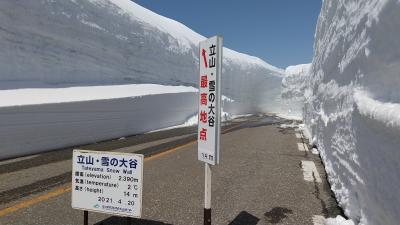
pixel 107 182
pixel 209 125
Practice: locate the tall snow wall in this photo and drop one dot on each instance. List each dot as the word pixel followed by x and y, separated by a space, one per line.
pixel 30 129
pixel 353 106
pixel 91 42
pixel 293 86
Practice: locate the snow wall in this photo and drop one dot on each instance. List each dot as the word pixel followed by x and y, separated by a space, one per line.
pixel 33 128
pixel 100 42
pixel 74 43
pixel 293 86
pixel 353 106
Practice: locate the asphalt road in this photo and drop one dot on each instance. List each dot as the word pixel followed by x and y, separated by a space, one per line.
pixel 260 180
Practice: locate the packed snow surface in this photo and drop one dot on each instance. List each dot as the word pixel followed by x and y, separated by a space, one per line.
pixel 353 105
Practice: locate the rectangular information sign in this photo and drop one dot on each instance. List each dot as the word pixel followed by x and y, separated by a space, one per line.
pixel 209 127
pixel 107 182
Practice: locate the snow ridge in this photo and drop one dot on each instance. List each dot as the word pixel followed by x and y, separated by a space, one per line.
pixel 385 112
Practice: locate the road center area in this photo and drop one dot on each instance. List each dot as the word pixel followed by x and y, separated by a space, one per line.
pixel 259 181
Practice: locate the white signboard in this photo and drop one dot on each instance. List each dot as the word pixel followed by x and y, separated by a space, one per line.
pixel 107 182
pixel 209 127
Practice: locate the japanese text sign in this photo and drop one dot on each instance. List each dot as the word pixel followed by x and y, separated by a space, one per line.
pixel 209 127
pixel 107 182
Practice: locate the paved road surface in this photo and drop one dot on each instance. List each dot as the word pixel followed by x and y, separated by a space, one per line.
pixel 261 179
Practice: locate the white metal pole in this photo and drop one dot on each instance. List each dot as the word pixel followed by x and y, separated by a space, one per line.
pixel 207 195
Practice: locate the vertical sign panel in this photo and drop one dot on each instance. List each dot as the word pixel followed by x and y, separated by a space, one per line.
pixel 209 100
pixel 107 182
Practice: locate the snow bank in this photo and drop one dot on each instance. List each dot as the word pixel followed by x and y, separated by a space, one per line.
pixel 353 105
pixel 293 87
pixel 338 221
pixel 29 129
pixel 103 42
pixel 35 120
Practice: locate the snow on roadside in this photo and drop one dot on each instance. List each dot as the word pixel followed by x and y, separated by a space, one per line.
pixel 352 107
pixel 289 117
pixel 35 120
pixel 194 119
pixel 338 221
pixel 290 125
pixel 29 129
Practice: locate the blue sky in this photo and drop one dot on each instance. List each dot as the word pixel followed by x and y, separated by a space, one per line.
pixel 279 31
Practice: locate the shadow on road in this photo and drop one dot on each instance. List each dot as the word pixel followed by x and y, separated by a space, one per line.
pixel 277 214
pixel 244 218
pixel 115 220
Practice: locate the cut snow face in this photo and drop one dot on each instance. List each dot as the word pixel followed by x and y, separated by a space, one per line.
pixel 352 106
pixel 29 129
pixel 35 120
pixel 79 115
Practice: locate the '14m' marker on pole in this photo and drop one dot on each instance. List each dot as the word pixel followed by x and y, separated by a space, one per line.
pixel 209 126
